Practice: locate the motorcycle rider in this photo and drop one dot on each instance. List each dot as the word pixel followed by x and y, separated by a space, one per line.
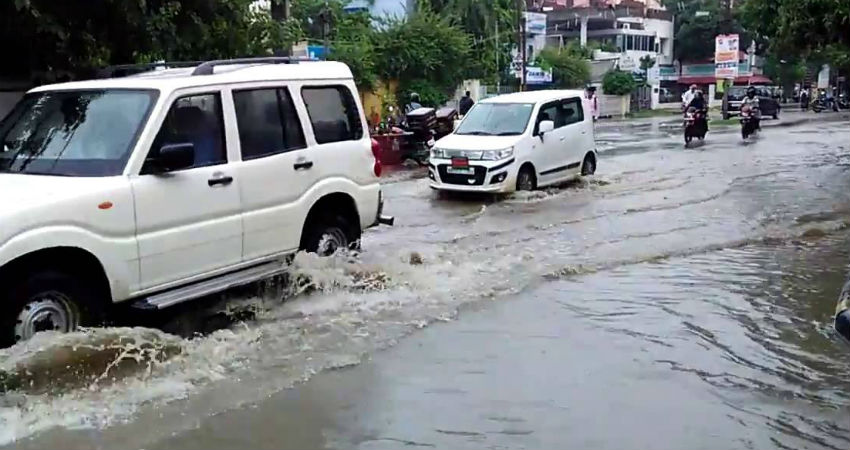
pixel 753 102
pixel 413 104
pixel 699 104
pixel 688 96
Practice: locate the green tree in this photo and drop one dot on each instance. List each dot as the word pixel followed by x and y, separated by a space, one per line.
pixel 490 53
pixel 814 29
pixel 423 47
pixel 616 82
pixel 568 69
pixel 695 33
pixel 69 38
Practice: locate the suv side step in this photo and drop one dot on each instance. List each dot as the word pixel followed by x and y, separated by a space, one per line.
pixel 211 286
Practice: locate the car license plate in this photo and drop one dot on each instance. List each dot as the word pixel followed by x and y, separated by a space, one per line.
pixel 460 166
pixel 459 170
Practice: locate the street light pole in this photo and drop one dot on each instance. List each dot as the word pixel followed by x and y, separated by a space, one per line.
pixel 280 13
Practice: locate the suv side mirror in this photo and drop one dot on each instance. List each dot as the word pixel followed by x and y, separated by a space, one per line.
pixel 173 157
pixel 545 127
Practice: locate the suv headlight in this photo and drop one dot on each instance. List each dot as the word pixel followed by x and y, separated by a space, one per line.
pixel 495 155
pixel 438 153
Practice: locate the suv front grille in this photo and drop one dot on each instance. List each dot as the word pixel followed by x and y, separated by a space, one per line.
pixel 466 180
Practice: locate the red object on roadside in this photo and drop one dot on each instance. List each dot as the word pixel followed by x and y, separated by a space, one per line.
pixel 389 148
pixel 376 152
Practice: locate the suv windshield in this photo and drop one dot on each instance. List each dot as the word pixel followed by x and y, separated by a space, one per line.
pixel 73 133
pixel 496 119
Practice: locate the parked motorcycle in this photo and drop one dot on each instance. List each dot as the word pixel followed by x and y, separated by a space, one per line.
pixel 695 125
pixel 422 125
pixel 749 122
pixel 843 101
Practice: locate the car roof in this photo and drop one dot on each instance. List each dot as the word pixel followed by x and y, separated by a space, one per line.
pixel 170 79
pixel 534 96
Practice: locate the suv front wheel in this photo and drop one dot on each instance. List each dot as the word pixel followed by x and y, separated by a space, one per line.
pixel 45 301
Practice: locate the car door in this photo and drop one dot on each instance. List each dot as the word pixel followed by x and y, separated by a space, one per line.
pixel 275 172
pixel 576 135
pixel 188 222
pixel 545 152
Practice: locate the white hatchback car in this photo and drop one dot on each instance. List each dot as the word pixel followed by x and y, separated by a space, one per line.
pixel 169 185
pixel 519 141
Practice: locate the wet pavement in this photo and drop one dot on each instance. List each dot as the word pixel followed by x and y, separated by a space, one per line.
pixel 680 298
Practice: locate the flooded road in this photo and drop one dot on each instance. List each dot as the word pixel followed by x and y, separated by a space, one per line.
pixel 680 298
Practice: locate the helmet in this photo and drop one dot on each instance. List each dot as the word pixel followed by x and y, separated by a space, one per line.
pixel 414 97
pixel 751 91
pixel 693 86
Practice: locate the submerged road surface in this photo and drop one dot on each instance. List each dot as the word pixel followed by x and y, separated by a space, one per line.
pixel 680 298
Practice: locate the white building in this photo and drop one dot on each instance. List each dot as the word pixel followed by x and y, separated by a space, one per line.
pixel 629 29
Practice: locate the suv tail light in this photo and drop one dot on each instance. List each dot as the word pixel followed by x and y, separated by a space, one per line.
pixel 376 152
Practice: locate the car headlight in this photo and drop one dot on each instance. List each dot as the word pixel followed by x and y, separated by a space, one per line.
pixel 495 155
pixel 438 153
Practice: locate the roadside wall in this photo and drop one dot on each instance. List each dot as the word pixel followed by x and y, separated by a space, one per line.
pixel 614 105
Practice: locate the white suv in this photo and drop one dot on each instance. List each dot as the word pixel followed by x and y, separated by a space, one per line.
pixel 176 183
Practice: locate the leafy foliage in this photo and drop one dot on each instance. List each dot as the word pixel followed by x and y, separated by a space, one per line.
pixel 423 46
pixel 73 37
pixel 616 82
pixel 568 69
pixel 695 34
pixel 806 25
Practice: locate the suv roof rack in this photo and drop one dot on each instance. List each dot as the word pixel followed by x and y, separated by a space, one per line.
pixel 206 68
pixel 124 70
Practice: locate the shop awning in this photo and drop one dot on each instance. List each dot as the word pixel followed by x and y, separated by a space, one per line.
pixel 748 79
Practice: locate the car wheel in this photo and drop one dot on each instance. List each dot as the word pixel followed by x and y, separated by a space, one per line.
pixel 525 180
pixel 588 166
pixel 328 236
pixel 46 301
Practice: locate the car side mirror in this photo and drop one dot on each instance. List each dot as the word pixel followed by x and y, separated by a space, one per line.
pixel 172 157
pixel 545 127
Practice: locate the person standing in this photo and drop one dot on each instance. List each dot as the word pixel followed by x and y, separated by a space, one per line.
pixel 590 93
pixel 465 104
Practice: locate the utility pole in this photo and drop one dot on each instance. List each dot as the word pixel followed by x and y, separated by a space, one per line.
pixel 520 38
pixel 498 71
pixel 326 29
pixel 280 13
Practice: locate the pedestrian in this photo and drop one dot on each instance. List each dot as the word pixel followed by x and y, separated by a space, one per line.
pixel 465 104
pixel 804 99
pixel 590 93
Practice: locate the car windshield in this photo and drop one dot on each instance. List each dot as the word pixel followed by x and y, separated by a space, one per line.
pixel 73 133
pixel 496 119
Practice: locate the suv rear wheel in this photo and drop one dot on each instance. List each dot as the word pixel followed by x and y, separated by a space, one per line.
pixel 328 235
pixel 48 300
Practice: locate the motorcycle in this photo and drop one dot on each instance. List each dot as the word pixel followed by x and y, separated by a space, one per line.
pixel 843 101
pixel 749 122
pixel 694 125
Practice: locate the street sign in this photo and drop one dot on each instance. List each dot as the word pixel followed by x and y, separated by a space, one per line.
pixel 726 56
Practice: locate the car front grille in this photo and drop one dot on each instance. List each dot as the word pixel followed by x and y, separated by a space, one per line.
pixel 476 179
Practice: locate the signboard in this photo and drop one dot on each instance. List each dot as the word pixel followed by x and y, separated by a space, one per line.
pixel 536 75
pixel 726 56
pixel 535 23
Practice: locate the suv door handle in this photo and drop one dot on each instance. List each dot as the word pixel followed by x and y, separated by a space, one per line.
pixel 303 165
pixel 220 179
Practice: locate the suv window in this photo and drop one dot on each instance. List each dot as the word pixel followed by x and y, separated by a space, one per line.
pixel 571 111
pixel 195 119
pixel 333 113
pixel 268 123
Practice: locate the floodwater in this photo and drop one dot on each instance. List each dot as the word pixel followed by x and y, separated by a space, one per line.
pixel 680 298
